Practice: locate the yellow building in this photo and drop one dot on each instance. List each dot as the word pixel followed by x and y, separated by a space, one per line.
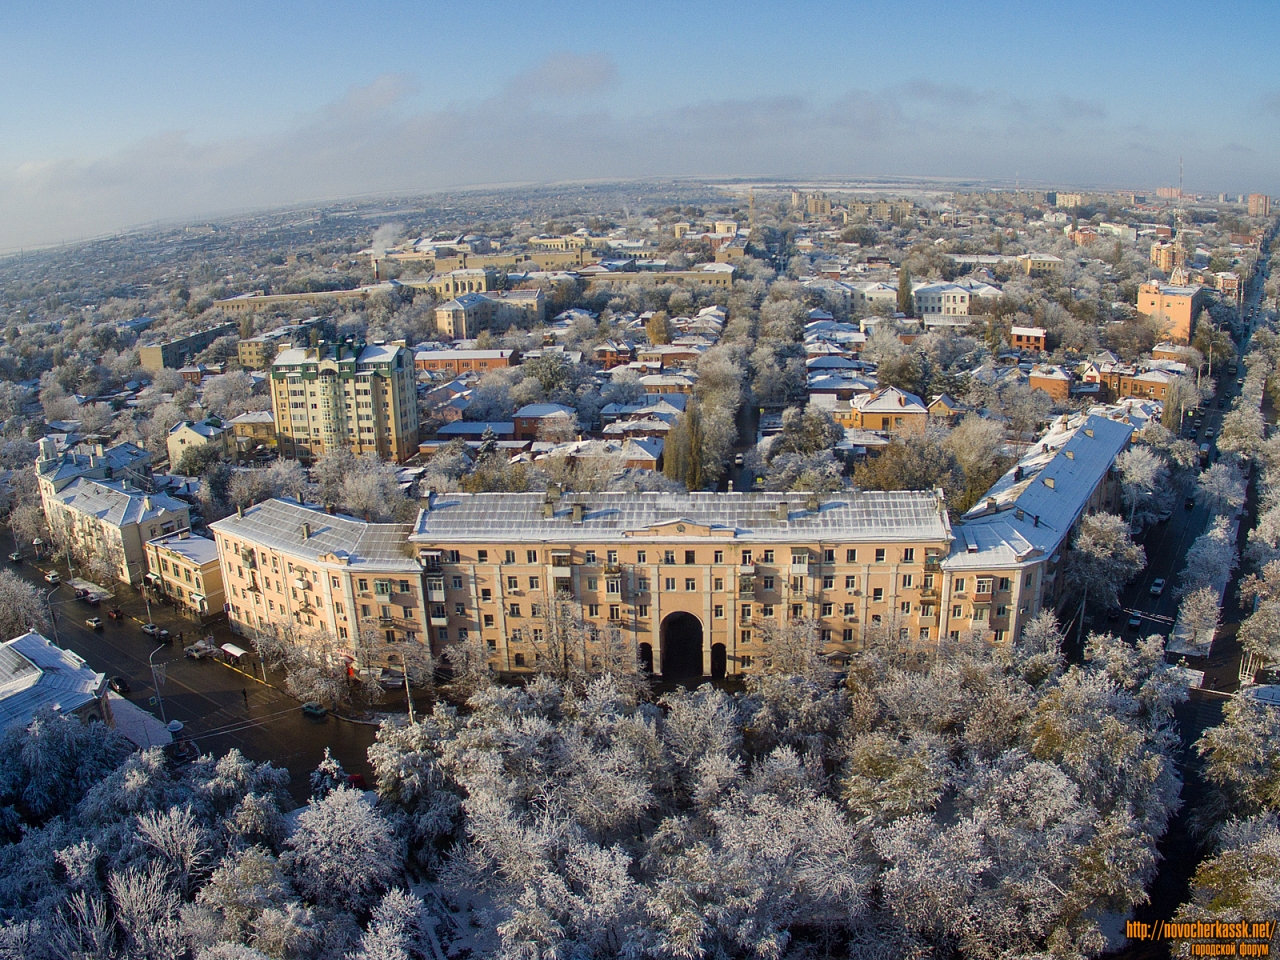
pixel 345 395
pixel 185 569
pixel 251 302
pixel 1166 255
pixel 1174 306
pixel 718 275
pixel 1259 205
pixel 572 241
pixel 889 410
pixel 697 582
pixel 1040 264
pixel 291 565
pixel 467 314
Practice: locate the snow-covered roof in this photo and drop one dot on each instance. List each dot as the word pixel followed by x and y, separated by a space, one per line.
pixel 34 674
pixel 110 502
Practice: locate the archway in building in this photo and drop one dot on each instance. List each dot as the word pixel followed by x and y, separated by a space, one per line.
pixel 646 657
pixel 681 647
pixel 719 661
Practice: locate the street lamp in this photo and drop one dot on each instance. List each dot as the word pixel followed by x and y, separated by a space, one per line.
pixel 53 617
pixel 154 682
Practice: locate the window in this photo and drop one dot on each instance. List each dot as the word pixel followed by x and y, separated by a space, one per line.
pixel 797 611
pixel 905 606
pixel 927 583
pixel 364 586
pixel 459 609
pixel 613 585
pixel 767 557
pixel 690 584
pixel 879 554
pixel 492 645
pixel 851 556
pixel 980 613
pixel 909 555
pixel 364 609
pixel 534 583
pixel 642 584
pixel 513 583
pixel 531 556
pixel 593 610
pixel 457 583
pixel 828 556
pixel 337 607
pixel 689 557
pixel 718 611
pixel 745 636
pixel 611 556
pixel 510 557
pixel 982 585
pixel 827 609
pixel 908 579
pixel 452 556
pixel 642 610
pixel 850 609
pixel 957 610
pixel 1005 584
pixel 745 660
pixel 851 583
pixel 519 659
pixel 718 556
pixel 342 633
pixel 615 612
pixel 746 558
pixel 1031 579
pixel 717 583
pixel 877 594
pixel 593 583
pixel 768 583
pixel 443 634
pixel 488 619
pixel 924 633
pixel 463 633
pixel 590 556
pixel 766 610
pixel 826 636
pixel 828 583
pixel 846 635
pixel 535 609
pixel 668 556
pixel 800 559
pixel 642 556
pixel 513 610
pixel 486 595
pixel 404 586
pixel 957 585
pixel 746 611
pixel 1002 611
pixel 537 635
pixel 482 556
pixel 669 583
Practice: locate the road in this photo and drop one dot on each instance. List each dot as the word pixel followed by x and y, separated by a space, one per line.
pixel 219 706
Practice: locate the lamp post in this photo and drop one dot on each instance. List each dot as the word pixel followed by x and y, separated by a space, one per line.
pixel 154 682
pixel 53 617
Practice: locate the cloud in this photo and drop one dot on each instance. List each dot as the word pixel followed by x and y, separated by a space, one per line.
pixel 542 127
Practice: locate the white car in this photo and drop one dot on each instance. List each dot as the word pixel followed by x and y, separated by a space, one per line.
pixel 1157 587
pixel 52 577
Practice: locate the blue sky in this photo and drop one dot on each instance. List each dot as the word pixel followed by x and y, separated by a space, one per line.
pixel 115 114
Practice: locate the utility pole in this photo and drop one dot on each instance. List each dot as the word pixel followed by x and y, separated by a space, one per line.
pixel 155 682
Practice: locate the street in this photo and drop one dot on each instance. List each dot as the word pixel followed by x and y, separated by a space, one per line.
pixel 219 706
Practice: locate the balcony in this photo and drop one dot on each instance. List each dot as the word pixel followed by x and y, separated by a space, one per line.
pixel 746 569
pixel 439 621
pixel 932 563
pixel 613 568
pixel 800 568
pixel 435 592
pixel 562 560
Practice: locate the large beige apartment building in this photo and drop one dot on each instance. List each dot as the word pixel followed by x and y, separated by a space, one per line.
pixel 179 351
pixel 696 580
pixel 345 395
pixel 1176 306
pixel 288 563
pixel 467 314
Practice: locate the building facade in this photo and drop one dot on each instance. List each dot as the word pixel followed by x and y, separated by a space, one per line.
pixel 195 434
pixel 178 352
pixel 467 314
pixel 699 582
pixel 1176 306
pixel 185 570
pixel 463 361
pixel 345 395
pixel 290 564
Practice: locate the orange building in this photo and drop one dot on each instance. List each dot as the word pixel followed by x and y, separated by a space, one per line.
pixel 1027 338
pixel 1175 306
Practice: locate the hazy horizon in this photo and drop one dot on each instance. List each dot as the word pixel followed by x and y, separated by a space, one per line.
pixel 114 117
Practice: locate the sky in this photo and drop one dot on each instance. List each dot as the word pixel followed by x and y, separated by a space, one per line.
pixel 120 114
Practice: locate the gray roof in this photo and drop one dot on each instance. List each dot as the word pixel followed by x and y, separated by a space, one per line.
pixel 853 516
pixel 277 524
pixel 108 500
pixel 34 674
pixel 1049 488
pixel 198 550
pixel 544 410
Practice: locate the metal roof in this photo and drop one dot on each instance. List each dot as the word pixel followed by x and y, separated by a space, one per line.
pixel 277 524
pixel 34 674
pixel 852 516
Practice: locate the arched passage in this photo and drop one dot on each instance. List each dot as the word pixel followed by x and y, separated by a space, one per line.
pixel 681 647
pixel 719 661
pixel 646 658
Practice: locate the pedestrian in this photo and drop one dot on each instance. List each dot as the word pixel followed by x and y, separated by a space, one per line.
pixel 245 693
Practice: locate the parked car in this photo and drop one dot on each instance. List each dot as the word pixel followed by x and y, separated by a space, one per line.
pixel 118 684
pixel 115 613
pixel 1208 434
pixel 16 557
pixel 52 577
pixel 1157 586
pixel 1114 614
pixel 1135 622
pixel 1164 515
pixel 199 650
pixel 1189 503
pixel 93 623
pixel 314 710
pixel 156 633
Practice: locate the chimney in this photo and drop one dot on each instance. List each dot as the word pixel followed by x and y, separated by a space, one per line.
pixel 548 509
pixel 1048 482
pixel 813 503
pixel 730 486
pixel 330 508
pixel 784 511
pixel 991 503
pixel 376 273
pixel 306 531
pixel 240 510
pixel 579 512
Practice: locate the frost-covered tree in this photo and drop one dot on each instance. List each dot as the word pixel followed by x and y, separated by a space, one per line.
pixel 1142 477
pixel 22 606
pixel 1104 558
pixel 1200 611
pixel 1222 487
pixel 343 852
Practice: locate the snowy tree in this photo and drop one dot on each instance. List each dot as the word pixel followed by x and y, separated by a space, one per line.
pixel 1200 611
pixel 180 841
pixel 1243 431
pixel 1210 559
pixel 1142 478
pixel 343 853
pixel 1240 881
pixel 397 930
pixel 1222 487
pixel 1103 560
pixel 1242 758
pixel 1260 631
pixel 22 607
pixel 327 777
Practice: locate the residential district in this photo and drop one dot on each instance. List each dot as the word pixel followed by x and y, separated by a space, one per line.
pixel 681 437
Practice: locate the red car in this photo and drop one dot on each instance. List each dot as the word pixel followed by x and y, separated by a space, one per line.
pixel 115 613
